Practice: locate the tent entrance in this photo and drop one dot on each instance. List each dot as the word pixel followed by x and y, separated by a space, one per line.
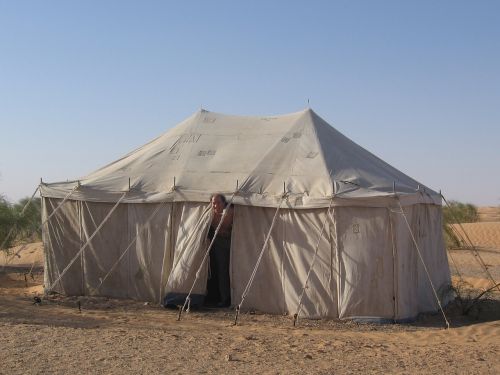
pixel 218 279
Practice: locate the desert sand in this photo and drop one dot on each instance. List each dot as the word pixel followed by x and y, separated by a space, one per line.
pixel 110 336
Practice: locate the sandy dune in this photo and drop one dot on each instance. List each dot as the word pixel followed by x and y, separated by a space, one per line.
pixel 126 337
pixel 483 235
pixel 24 256
pixel 489 213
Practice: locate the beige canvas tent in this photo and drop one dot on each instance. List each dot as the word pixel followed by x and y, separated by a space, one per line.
pixel 336 217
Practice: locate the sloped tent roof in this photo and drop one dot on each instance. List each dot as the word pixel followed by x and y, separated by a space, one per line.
pixel 299 153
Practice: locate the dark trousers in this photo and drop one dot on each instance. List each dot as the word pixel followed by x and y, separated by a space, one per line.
pixel 219 283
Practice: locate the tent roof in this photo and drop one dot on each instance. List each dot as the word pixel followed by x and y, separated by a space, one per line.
pixel 298 153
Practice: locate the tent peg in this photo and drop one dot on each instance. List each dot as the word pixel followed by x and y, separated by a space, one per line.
pixel 129 184
pixel 180 313
pixel 295 319
pixel 237 313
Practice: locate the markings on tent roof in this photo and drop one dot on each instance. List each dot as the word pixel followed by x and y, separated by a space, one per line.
pixel 209 119
pixel 312 154
pixel 189 138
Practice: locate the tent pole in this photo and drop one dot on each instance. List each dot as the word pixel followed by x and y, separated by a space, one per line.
pixel 394 269
pixel 165 251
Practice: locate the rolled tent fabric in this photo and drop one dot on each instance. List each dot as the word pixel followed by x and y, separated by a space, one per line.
pixel 193 221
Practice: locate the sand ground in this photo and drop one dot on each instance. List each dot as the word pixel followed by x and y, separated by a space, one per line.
pixel 125 337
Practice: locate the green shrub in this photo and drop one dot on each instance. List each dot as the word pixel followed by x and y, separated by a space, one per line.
pixel 7 220
pixel 24 226
pixel 456 213
pixel 459 212
pixel 30 221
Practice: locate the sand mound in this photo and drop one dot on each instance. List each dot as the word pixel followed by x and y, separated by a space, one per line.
pixel 489 213
pixel 484 235
pixel 23 256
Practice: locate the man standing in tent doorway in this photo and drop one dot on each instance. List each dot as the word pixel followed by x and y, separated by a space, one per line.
pixel 219 288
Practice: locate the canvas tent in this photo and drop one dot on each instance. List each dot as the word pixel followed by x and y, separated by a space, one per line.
pixel 137 227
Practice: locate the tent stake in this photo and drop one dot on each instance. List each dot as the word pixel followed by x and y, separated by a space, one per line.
pixel 236 315
pixel 129 184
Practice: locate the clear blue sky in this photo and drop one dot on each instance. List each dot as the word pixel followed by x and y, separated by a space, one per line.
pixel 415 82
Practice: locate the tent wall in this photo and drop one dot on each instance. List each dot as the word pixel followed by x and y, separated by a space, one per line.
pixel 366 286
pixel 426 225
pixel 406 266
pixel 373 272
pixel 282 273
pixel 143 263
pixel 163 244
pixel 105 248
pixel 61 241
pixel 414 291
